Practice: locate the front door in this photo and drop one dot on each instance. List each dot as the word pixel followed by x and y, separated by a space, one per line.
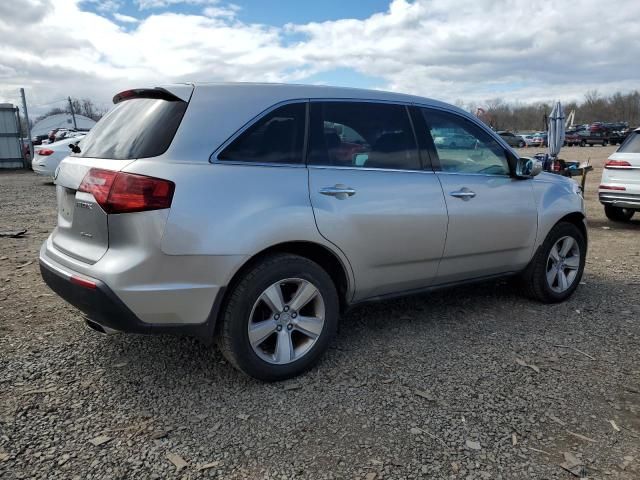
pixel 492 215
pixel 372 198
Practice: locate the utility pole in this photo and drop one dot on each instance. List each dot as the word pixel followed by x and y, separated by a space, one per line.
pixel 26 118
pixel 73 115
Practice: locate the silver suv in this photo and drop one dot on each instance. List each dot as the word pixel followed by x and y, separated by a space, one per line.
pixel 255 214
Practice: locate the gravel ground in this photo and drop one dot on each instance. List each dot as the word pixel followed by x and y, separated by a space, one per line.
pixel 465 384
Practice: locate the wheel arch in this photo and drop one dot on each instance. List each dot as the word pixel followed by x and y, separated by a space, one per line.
pixel 576 218
pixel 320 254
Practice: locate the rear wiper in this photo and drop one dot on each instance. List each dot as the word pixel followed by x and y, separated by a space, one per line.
pixel 74 147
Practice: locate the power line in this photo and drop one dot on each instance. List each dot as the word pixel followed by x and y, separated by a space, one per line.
pixel 49 103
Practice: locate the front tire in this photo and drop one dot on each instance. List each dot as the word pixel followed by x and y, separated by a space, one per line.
pixel 279 319
pixel 556 269
pixel 617 214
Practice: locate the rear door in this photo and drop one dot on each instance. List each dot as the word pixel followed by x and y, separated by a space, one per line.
pixel 371 196
pixel 142 124
pixel 492 216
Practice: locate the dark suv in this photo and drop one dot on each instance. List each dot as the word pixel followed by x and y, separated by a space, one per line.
pixel 512 139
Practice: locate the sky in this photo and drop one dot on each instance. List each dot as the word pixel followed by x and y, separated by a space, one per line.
pixel 467 51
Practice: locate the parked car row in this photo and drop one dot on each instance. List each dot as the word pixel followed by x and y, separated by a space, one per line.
pixel 48 157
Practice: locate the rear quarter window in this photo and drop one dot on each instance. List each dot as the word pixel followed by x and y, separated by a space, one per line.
pixel 277 137
pixel 134 128
pixel 631 143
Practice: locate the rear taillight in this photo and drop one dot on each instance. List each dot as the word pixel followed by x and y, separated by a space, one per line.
pixel 621 164
pixel 44 152
pixel 611 187
pixel 119 192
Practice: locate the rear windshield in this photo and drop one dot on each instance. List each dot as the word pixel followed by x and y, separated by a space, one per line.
pixel 631 144
pixel 135 128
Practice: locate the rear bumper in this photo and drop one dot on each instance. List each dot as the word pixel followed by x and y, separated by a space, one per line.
pixel 102 307
pixel 620 199
pixel 43 170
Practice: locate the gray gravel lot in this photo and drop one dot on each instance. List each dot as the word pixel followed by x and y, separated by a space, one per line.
pixel 464 384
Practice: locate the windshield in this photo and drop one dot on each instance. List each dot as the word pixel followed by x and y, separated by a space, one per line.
pixel 135 128
pixel 631 143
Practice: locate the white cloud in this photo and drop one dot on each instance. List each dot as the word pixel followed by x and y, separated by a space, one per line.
pixel 468 50
pixel 144 4
pixel 125 18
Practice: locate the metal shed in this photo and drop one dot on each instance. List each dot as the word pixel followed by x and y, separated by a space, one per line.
pixel 10 144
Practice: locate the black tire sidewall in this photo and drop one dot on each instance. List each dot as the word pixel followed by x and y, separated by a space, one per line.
pixel 236 316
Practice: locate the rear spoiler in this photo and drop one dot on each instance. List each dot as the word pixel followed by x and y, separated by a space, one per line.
pixel 157 93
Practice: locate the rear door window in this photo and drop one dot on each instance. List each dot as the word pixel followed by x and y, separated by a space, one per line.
pixel 134 128
pixel 278 137
pixel 362 134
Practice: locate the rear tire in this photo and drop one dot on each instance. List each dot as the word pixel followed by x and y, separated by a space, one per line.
pixel 617 214
pixel 521 144
pixel 541 280
pixel 269 352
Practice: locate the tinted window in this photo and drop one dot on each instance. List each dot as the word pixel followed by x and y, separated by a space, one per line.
pixel 275 138
pixel 464 147
pixel 135 128
pixel 631 144
pixel 362 134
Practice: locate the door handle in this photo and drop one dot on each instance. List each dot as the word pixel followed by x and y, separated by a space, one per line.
pixel 464 193
pixel 339 191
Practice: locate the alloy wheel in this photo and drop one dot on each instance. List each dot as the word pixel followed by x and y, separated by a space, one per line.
pixel 286 321
pixel 563 264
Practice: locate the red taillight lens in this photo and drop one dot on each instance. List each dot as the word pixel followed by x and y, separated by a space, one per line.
pixel 612 187
pixel 44 152
pixel 83 283
pixel 119 192
pixel 617 164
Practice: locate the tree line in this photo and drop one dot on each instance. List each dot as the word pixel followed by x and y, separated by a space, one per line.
pixel 81 106
pixel 503 115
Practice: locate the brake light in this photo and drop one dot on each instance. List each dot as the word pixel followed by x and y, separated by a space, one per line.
pixel 611 187
pixel 120 192
pixel 44 152
pixel 617 164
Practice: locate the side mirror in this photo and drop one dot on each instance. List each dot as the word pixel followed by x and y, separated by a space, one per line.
pixel 528 167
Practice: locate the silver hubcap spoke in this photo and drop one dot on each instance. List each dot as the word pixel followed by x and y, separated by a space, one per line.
pixel 572 262
pixel 563 283
pixel 310 326
pixel 286 321
pixel 284 347
pixel 566 246
pixel 259 332
pixel 272 296
pixel 563 264
pixel 306 292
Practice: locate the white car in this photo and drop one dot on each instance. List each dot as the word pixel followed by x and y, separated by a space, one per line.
pixel 455 140
pixel 528 140
pixel 619 190
pixel 48 157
